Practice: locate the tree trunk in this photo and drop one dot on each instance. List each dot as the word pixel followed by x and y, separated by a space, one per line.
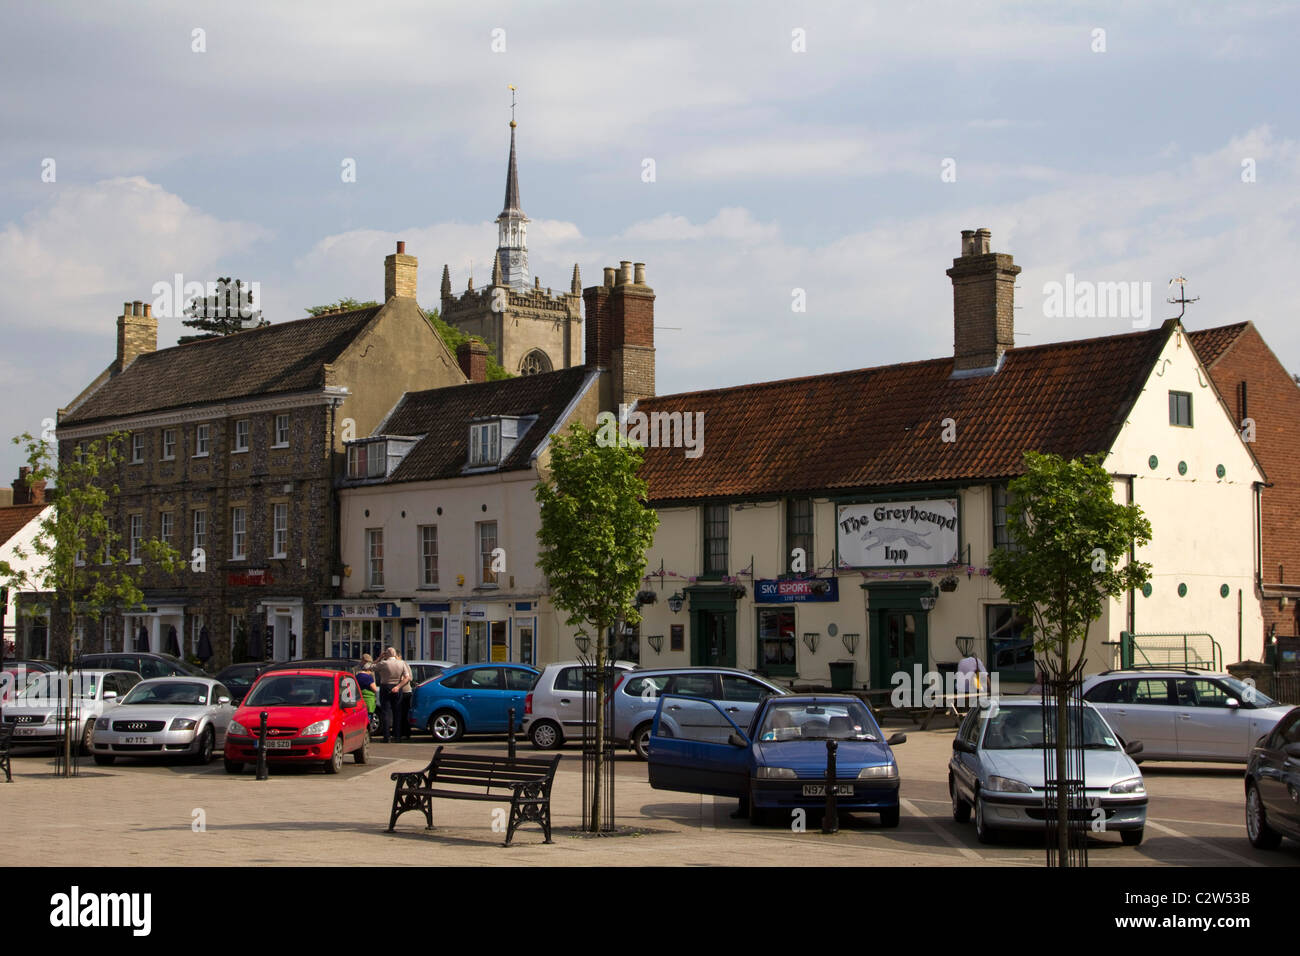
pixel 1062 804
pixel 600 729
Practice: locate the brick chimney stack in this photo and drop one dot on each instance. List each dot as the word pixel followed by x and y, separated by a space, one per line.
pixel 400 273
pixel 472 358
pixel 620 333
pixel 25 494
pixel 983 298
pixel 137 334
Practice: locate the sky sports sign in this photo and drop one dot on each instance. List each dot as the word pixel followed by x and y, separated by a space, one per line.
pixel 788 591
pixel 897 534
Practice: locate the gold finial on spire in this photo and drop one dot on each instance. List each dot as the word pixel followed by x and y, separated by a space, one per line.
pixel 512 105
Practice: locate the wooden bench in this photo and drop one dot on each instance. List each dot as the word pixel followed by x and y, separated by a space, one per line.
pixel 527 781
pixel 6 738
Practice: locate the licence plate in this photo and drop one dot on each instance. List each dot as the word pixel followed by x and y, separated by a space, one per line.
pixel 24 731
pixel 137 740
pixel 819 790
pixel 278 744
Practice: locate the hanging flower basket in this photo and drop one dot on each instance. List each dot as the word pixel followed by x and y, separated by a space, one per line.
pixel 949 583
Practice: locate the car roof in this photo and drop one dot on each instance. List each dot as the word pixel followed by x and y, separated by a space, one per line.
pixel 699 669
pixel 630 665
pixel 1154 672
pixel 307 671
pixel 180 679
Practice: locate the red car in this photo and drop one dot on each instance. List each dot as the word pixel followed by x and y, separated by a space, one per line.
pixel 313 716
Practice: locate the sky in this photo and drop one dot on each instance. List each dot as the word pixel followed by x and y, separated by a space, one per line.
pixel 795 176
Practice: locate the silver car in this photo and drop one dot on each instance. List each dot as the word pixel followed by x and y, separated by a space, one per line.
pixel 40 711
pixel 636 697
pixel 1184 715
pixel 553 708
pixel 166 716
pixel 996 772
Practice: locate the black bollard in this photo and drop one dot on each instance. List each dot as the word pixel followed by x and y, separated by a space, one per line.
pixel 831 819
pixel 261 749
pixel 510 740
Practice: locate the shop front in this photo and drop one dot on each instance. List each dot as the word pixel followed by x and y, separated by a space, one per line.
pixel 354 628
pixel 499 631
pixel 777 627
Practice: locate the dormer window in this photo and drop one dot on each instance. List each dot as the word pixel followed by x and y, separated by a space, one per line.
pixel 485 444
pixel 368 461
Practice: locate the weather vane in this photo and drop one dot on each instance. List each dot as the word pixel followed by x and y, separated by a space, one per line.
pixel 512 105
pixel 1182 296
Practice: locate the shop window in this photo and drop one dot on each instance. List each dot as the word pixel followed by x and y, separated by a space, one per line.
pixel 776 641
pixel 1010 648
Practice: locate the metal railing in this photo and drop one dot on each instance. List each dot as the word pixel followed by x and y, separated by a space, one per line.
pixel 1188 649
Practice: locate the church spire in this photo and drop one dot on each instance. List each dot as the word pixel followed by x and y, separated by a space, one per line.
pixel 512 224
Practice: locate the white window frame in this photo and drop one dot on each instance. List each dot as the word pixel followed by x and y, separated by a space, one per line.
pixel 166 523
pixel 485 444
pixel 197 623
pixel 487 577
pixel 280 530
pixel 243 436
pixel 199 527
pixel 281 431
pixel 135 534
pixel 169 444
pixel 137 449
pixel 427 579
pixel 202 440
pixel 238 534
pixel 374 562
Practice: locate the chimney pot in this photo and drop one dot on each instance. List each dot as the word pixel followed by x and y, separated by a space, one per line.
pixel 982 241
pixel 126 308
pixel 968 242
pixel 148 310
pixel 639 278
pixel 624 272
pixel 401 247
pixel 137 307
pixel 609 277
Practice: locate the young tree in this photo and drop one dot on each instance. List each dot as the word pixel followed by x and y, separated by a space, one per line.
pixel 227 311
pixel 1070 553
pixel 596 529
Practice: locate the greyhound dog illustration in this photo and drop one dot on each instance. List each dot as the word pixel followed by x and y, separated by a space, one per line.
pixel 878 536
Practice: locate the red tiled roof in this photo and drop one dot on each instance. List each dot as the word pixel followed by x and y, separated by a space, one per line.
pixel 15 517
pixel 880 427
pixel 1210 344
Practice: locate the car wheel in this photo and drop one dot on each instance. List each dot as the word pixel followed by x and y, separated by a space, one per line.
pixel 362 753
pixel 446 726
pixel 88 738
pixel 335 763
pixel 889 818
pixel 983 832
pixel 544 735
pixel 203 756
pixel 641 740
pixel 1261 835
pixel 233 766
pixel 104 760
pixel 1132 837
pixel 960 808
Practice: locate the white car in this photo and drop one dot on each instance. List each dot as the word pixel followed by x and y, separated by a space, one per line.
pixel 40 712
pixel 553 708
pixel 166 716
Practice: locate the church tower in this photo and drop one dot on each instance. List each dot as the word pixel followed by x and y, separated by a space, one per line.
pixel 528 329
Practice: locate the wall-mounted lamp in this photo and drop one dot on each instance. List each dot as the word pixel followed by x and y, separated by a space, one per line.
pixel 811 639
pixel 851 642
pixel 928 600
pixel 675 602
pixel 583 642
pixel 656 642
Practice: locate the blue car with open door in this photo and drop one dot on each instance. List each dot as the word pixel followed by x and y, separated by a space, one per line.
pixel 778 763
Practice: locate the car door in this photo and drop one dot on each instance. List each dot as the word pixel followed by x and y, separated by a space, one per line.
pixel 741 696
pixel 695 684
pixel 1206 726
pixel 1278 773
pixel 519 681
pixel 695 756
pixel 221 713
pixel 483 695
pixel 965 766
pixel 566 699
pixel 352 716
pixel 1139 708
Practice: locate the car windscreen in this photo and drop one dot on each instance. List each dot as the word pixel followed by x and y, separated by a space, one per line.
pixel 830 720
pixel 1021 728
pixel 292 690
pixel 171 692
pixel 52 687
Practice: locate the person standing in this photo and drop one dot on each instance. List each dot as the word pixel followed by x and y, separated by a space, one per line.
pixel 393 675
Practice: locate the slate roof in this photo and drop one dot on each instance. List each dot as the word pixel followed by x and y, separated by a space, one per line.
pixel 443 415
pixel 284 357
pixel 1210 344
pixel 14 518
pixel 881 427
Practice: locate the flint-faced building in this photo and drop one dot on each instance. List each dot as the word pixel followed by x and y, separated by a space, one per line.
pixel 850 517
pixel 232 452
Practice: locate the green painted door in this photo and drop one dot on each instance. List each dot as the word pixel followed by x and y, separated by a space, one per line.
pixel 713 638
pixel 903 643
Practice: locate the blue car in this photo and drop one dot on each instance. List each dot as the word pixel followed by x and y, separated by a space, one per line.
pixel 778 763
pixel 471 699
